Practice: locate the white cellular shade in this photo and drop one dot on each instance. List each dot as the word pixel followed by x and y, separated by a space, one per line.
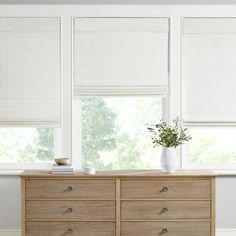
pixel 211 25
pixel 120 55
pixel 121 24
pixel 209 70
pixel 30 71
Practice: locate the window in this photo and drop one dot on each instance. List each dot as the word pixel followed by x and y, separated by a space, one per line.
pixel 26 145
pixel 213 147
pixel 117 63
pixel 114 132
pixel 30 90
pixel 208 97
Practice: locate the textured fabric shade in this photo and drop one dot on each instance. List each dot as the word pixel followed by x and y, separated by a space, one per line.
pixel 120 56
pixel 209 70
pixel 30 71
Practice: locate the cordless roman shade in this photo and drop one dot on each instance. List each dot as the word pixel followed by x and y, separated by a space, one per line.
pixel 29 71
pixel 209 71
pixel 120 55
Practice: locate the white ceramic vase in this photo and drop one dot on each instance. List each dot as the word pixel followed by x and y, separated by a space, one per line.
pixel 169 162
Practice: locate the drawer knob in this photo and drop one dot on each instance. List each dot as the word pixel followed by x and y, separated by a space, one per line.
pixel 164 210
pixel 69 210
pixel 164 189
pixel 69 189
pixel 164 231
pixel 69 231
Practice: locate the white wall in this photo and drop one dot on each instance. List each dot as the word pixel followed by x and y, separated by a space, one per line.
pixel 225 202
pixel 10 203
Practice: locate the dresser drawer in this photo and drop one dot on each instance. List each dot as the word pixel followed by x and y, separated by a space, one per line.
pixel 166 188
pixel 165 228
pixel 70 228
pixel 81 210
pixel 77 189
pixel 159 210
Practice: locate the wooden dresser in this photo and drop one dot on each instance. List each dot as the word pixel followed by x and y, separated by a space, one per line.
pixel 118 203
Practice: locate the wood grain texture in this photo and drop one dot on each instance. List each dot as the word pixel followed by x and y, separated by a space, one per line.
pixel 67 189
pixel 173 228
pixel 118 203
pixel 23 189
pixel 213 205
pixel 154 210
pixel 118 207
pixel 76 228
pixel 175 188
pixel 81 210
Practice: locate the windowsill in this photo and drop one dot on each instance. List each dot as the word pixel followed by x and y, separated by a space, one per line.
pixel 10 172
pixel 219 173
pixel 222 173
pixel 17 169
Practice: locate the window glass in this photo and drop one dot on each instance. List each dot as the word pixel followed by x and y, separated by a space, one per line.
pixel 26 145
pixel 114 132
pixel 212 145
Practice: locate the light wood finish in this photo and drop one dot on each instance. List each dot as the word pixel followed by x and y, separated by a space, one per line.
pixel 173 228
pixel 118 203
pixel 213 205
pixel 72 189
pixel 159 210
pixel 118 207
pixel 80 210
pixel 70 228
pixel 165 188
pixel 23 189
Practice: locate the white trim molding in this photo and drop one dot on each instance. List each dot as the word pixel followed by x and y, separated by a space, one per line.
pixel 219 232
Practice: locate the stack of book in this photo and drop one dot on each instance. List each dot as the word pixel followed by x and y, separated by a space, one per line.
pixel 62 169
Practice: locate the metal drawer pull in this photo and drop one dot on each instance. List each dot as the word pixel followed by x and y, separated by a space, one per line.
pixel 164 210
pixel 69 231
pixel 69 189
pixel 69 210
pixel 164 231
pixel 164 189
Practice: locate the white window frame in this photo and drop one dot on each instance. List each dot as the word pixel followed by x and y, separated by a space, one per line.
pixel 62 135
pixel 185 161
pixel 65 144
pixel 176 14
pixel 77 104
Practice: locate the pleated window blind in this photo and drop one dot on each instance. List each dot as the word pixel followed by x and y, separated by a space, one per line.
pixel 120 55
pixel 29 71
pixel 209 70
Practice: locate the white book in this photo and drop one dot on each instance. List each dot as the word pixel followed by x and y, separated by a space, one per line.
pixel 62 168
pixel 63 173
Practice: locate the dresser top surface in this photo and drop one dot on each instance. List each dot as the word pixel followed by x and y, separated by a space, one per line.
pixel 119 174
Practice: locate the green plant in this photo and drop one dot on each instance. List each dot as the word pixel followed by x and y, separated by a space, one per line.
pixel 169 136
